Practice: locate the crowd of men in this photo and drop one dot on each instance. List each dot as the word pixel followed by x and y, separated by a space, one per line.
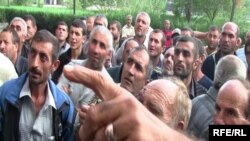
pixel 98 80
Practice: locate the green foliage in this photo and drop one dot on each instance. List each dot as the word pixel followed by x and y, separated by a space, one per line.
pixel 204 13
pixel 46 17
pixel 22 2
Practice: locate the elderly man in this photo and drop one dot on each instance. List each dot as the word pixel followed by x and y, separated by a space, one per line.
pixel 20 26
pixel 128 29
pixel 203 105
pixel 168 62
pixel 32 107
pixel 100 46
pixel 101 20
pixel 236 102
pixel 9 44
pixel 168 100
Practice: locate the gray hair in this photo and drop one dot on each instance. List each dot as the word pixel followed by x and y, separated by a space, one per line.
pixel 106 32
pixel 24 25
pixel 227 68
pixel 150 64
pixel 145 14
pixel 101 16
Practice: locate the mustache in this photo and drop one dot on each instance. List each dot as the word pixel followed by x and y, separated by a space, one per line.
pixel 34 70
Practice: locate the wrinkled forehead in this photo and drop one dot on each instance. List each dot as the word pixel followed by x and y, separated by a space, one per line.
pixel 162 90
pixel 144 18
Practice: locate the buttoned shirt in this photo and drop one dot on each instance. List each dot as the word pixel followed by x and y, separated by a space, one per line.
pixel 34 127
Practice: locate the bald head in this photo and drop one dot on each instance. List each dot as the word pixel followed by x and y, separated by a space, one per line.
pixel 168 100
pixel 232 103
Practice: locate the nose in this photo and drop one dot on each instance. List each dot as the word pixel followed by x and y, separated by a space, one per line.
pixel 2 45
pixel 131 69
pixel 35 61
pixel 179 56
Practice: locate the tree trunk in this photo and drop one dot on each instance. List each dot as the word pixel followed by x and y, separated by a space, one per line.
pixel 233 10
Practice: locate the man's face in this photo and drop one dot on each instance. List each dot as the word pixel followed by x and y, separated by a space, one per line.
pixel 61 32
pixel 17 26
pixel 76 38
pixel 134 72
pixel 129 46
pixel 99 21
pixel 141 26
pixel 129 21
pixel 231 104
pixel 213 37
pixel 31 30
pixel 184 59
pixel 166 25
pixel 90 23
pixel 155 46
pixel 168 62
pixel 113 29
pixel 228 41
pixel 6 46
pixel 247 36
pixel 98 50
pixel 40 62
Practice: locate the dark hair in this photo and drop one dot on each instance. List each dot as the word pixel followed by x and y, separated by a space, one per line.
pixel 190 39
pixel 118 25
pixel 200 47
pixel 214 28
pixel 45 36
pixel 150 65
pixel 14 36
pixel 31 18
pixel 163 39
pixel 61 23
pixel 83 18
pixel 78 23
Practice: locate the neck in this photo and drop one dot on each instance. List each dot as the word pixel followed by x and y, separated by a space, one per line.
pixel 155 60
pixel 116 41
pixel 198 74
pixel 14 59
pixel 38 90
pixel 140 39
pixel 187 81
pixel 210 50
pixel 88 65
pixel 38 95
pixel 75 53
pixel 61 43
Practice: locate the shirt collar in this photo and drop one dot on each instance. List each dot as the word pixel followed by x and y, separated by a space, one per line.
pixel 49 98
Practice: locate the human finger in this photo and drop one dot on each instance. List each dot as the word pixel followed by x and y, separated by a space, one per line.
pixel 100 135
pixel 103 86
